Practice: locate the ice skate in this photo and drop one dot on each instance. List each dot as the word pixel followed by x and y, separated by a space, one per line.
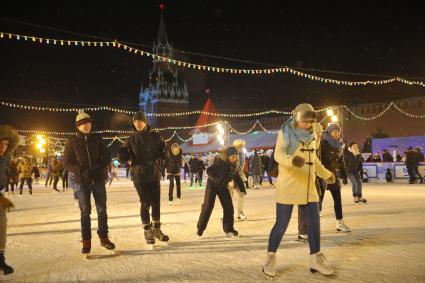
pixel 270 265
pixel 318 264
pixel 107 244
pixel 232 234
pixel 362 200
pixel 86 248
pixel 4 267
pixel 157 233
pixel 342 227
pixel 302 239
pixel 356 200
pixel 242 217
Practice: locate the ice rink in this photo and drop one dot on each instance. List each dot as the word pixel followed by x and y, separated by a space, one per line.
pixel 387 243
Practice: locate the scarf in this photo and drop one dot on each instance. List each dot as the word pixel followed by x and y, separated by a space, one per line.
pixel 337 144
pixel 292 136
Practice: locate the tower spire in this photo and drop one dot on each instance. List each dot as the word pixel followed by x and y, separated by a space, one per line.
pixel 162 32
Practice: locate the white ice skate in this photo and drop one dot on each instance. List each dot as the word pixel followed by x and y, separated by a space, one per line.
pixel 342 227
pixel 242 217
pixel 318 264
pixel 170 202
pixel 232 234
pixel 269 267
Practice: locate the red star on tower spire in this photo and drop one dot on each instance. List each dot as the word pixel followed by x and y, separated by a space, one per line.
pixel 162 7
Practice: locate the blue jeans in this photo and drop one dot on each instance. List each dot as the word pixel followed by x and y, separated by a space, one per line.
pixel 283 215
pixel 99 194
pixel 356 184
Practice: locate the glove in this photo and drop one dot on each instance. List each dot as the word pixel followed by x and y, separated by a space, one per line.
pixel 331 180
pixel 6 203
pixel 298 161
pixel 345 181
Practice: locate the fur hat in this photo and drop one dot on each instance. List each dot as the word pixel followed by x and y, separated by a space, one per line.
pixel 304 111
pixel 82 118
pixel 9 133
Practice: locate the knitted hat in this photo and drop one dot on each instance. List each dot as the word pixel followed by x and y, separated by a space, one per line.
pixel 304 111
pixel 333 127
pixel 82 118
pixel 231 150
pixel 140 115
pixel 317 128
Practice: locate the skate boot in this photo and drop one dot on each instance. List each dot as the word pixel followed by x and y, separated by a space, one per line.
pixel 86 246
pixel 356 200
pixel 270 264
pixel 150 240
pixel 106 243
pixel 302 238
pixel 232 234
pixel 318 264
pixel 241 217
pixel 30 192
pixel 4 266
pixel 170 202
pixel 342 227
pixel 157 233
pixel 363 200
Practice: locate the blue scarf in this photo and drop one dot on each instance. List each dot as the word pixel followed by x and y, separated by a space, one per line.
pixel 292 136
pixel 337 144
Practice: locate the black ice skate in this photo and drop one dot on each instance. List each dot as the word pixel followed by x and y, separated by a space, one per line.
pixel 86 246
pixel 106 243
pixel 4 266
pixel 157 233
pixel 150 240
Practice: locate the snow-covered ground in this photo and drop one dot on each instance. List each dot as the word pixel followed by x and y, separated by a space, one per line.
pixel 387 243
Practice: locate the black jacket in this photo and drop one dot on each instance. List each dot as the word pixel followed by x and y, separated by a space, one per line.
pixel 221 173
pixel 353 163
pixel 412 159
pixel 265 160
pixel 174 163
pixel 87 157
pixel 421 157
pixel 194 165
pixel 387 157
pixel 146 150
pixel 333 159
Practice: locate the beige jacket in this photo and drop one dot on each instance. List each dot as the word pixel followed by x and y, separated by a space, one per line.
pixel 297 185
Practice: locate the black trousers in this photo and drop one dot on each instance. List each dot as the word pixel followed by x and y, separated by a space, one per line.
pixel 336 195
pixel 65 182
pixel 55 182
pixel 150 196
pixel 208 205
pixel 264 171
pixel 29 183
pixel 171 188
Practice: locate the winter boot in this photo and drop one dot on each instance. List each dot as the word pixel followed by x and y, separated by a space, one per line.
pixel 4 266
pixel 318 264
pixel 270 264
pixel 86 246
pixel 363 200
pixel 30 192
pixel 157 233
pixel 106 243
pixel 342 227
pixel 150 240
pixel 232 234
pixel 356 200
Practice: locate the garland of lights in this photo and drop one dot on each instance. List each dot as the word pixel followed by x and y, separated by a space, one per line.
pixel 174 114
pixel 390 105
pixel 116 44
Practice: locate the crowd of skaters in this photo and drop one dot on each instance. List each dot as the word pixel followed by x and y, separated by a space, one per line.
pixel 306 159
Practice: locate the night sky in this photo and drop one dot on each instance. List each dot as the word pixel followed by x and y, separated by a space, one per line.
pixel 384 39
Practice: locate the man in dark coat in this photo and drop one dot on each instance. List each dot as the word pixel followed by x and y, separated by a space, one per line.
pixel 9 140
pixel 87 157
pixel 146 151
pixel 412 163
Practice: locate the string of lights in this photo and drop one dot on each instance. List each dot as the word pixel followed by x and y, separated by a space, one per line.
pixel 209 68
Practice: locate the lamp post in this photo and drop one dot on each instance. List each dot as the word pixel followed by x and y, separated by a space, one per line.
pixel 223 134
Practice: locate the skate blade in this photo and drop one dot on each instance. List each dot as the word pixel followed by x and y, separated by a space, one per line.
pixel 105 254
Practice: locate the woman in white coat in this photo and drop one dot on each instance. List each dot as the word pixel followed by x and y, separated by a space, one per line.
pixel 298 166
